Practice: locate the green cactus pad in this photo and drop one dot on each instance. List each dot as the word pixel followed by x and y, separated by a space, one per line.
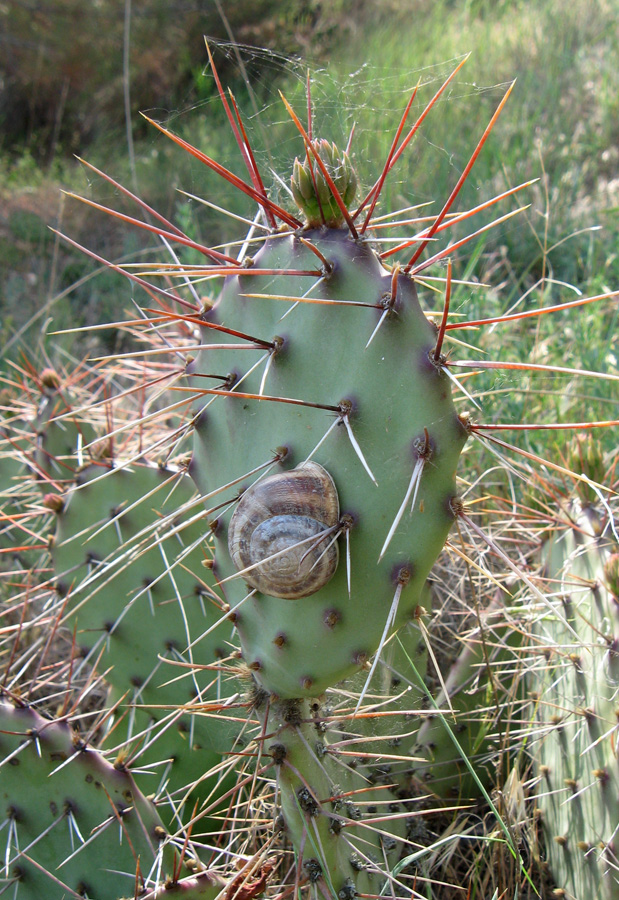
pixel 60 433
pixel 338 822
pixel 126 542
pixel 386 407
pixel 74 824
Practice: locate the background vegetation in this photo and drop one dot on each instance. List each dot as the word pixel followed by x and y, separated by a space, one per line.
pixel 74 77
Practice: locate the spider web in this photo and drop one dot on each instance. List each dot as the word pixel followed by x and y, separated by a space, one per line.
pixel 357 105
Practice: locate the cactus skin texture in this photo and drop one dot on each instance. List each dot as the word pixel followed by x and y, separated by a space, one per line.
pixel 327 806
pixel 577 682
pixel 36 451
pixel 394 398
pixel 57 794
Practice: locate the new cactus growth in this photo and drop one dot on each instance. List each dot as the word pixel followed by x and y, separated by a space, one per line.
pixel 312 191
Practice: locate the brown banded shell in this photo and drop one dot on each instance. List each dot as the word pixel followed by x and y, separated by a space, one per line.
pixel 276 528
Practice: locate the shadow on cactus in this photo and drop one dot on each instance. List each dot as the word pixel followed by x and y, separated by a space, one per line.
pixel 325 412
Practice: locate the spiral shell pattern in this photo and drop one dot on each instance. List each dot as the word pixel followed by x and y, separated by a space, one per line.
pixel 276 530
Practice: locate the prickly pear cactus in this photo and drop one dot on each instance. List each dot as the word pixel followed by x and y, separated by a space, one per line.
pixel 577 707
pixel 325 442
pixel 127 543
pixel 336 425
pixel 71 816
pixel 338 369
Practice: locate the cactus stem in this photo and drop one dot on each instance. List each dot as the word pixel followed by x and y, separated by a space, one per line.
pixel 226 617
pixel 263 359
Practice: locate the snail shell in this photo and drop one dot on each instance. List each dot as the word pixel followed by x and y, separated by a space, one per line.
pixel 272 518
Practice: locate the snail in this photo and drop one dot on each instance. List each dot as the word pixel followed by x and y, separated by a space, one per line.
pixel 287 510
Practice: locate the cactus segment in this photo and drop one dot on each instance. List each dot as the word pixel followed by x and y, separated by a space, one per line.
pixel 328 807
pixel 372 416
pixel 71 817
pixel 126 545
pixel 577 709
pixel 60 433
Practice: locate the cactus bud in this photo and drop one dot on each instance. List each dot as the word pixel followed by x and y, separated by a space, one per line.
pixel 49 379
pixel 311 191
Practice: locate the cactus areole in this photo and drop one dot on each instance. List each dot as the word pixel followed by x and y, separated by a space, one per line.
pixel 338 367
